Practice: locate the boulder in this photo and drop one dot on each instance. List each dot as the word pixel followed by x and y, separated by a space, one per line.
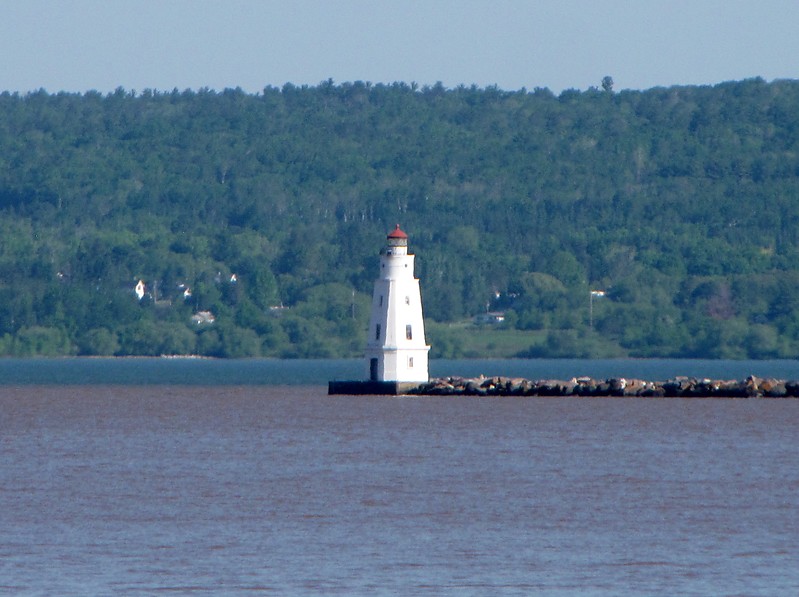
pixel 678 387
pixel 773 388
pixel 792 388
pixel 616 386
pixel 752 385
pixel 729 389
pixel 635 387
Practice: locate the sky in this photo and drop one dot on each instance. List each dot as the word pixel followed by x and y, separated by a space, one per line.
pixel 102 45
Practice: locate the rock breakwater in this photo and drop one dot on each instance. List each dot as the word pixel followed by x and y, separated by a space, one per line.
pixel 679 387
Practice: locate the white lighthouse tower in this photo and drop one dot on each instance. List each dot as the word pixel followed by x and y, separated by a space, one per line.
pixel 396 349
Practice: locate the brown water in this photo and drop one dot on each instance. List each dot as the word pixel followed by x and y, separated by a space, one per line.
pixel 284 490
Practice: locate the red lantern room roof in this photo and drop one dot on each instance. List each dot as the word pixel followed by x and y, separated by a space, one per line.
pixel 397 233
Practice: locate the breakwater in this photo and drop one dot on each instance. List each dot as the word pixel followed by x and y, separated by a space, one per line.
pixel 678 387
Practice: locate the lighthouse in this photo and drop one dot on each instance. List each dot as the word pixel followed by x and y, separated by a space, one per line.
pixel 395 347
pixel 396 352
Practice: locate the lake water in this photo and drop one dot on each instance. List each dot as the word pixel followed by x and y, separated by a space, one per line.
pixel 180 371
pixel 149 476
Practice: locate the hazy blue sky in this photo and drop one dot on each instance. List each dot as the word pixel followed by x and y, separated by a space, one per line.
pixel 78 45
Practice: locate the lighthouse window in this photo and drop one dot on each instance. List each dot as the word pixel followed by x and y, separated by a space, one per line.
pixel 381 300
pixel 410 362
pixel 377 332
pixel 407 300
pixel 408 332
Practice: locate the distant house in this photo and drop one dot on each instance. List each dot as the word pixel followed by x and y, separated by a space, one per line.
pixel 140 289
pixel 203 317
pixel 490 318
pixel 184 290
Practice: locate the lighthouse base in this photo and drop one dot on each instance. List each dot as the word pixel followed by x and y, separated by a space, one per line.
pixel 371 388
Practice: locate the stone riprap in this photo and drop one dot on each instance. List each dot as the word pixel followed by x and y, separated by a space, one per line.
pixel 679 387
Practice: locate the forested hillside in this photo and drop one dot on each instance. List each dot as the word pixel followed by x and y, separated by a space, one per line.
pixel 264 213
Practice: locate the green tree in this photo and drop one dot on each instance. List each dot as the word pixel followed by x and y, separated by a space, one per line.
pixel 98 342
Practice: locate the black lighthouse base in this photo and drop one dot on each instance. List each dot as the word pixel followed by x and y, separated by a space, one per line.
pixel 371 388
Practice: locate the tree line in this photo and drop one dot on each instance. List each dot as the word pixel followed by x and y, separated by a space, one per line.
pixel 679 204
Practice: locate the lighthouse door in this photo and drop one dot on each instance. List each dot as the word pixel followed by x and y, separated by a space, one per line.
pixel 373 369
